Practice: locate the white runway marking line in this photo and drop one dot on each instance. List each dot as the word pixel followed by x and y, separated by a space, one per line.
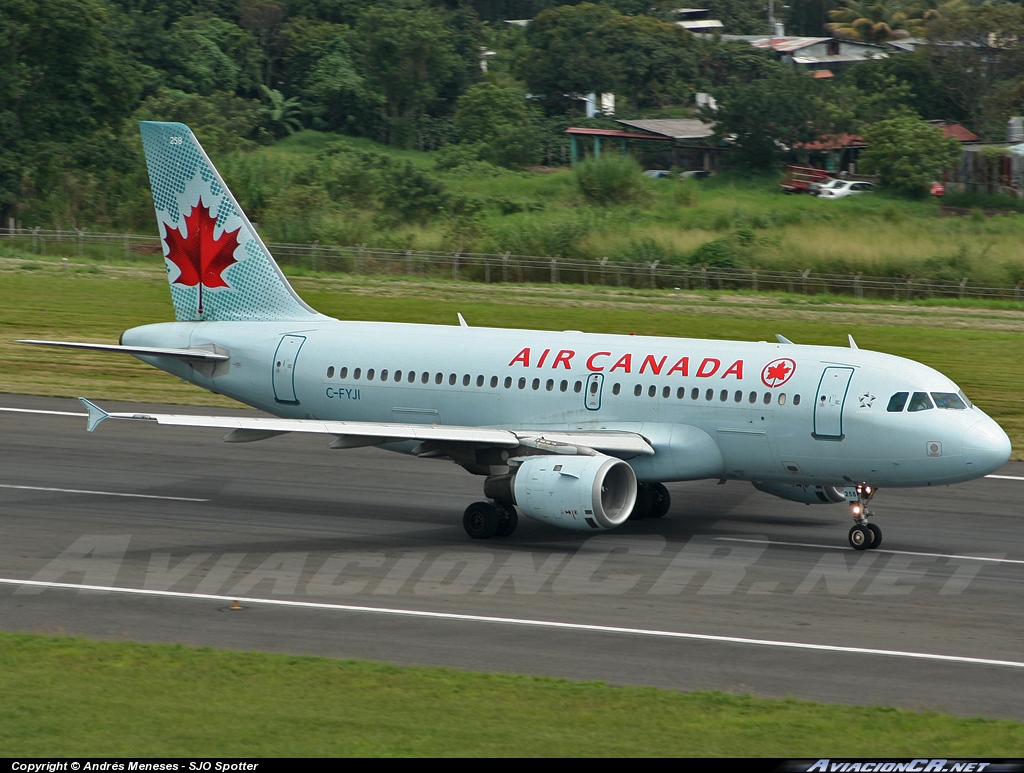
pixel 876 550
pixel 101 493
pixel 47 413
pixel 522 622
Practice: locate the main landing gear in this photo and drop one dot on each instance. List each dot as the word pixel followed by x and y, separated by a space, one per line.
pixel 490 519
pixel 863 535
pixel 652 501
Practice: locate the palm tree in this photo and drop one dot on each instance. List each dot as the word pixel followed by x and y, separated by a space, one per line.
pixel 285 115
pixel 878 21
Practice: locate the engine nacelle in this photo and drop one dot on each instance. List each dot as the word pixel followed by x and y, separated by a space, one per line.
pixel 582 493
pixel 808 494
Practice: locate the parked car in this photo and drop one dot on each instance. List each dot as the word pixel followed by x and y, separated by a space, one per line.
pixel 817 187
pixel 843 188
pixel 658 174
pixel 694 174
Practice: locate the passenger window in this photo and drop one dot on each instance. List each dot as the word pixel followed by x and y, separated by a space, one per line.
pixel 508 382
pixel 369 375
pixel 578 387
pixel 782 399
pixel 479 381
pixel 919 402
pixel 439 378
pixel 343 373
pixel 897 402
pixel 465 379
pixel 398 375
pixel 536 384
pixel 767 398
pixel 738 397
pixel 615 388
pixel 724 396
pixel 494 382
pixel 949 401
pixel 355 373
pixel 796 399
pixel 425 377
pixel 638 390
pixel 549 385
pixel 695 393
pixel 680 393
pixel 452 379
pixel 753 397
pixel 522 383
pixel 652 390
pixel 330 372
pixel 709 395
pixel 383 375
pixel 564 386
pixel 412 376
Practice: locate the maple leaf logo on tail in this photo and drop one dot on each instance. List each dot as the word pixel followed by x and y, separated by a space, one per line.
pixel 201 259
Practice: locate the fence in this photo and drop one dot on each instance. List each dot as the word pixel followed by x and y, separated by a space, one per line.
pixel 505 268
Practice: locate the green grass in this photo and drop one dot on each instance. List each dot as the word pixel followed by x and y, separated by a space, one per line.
pixel 70 697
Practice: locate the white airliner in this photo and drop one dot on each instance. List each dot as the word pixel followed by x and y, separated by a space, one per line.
pixel 577 430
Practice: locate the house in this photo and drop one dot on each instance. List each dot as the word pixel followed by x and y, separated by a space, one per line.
pixel 817 54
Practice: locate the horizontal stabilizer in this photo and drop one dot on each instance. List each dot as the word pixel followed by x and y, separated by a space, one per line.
pixel 354 434
pixel 202 355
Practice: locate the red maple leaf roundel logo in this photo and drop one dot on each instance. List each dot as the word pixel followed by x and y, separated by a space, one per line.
pixel 200 258
pixel 778 372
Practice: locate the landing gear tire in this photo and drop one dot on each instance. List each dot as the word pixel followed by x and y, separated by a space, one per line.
pixel 644 502
pixel 508 519
pixel 861 537
pixel 876 536
pixel 660 500
pixel 481 520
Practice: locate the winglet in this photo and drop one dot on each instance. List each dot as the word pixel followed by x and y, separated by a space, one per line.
pixel 96 414
pixel 462 320
pixel 853 344
pixel 782 339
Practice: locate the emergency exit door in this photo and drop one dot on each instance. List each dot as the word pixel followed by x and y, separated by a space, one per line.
pixel 592 395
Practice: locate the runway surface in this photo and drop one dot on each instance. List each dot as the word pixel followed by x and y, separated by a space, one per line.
pixel 734 590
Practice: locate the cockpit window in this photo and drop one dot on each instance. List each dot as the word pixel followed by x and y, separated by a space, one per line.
pixel 965 398
pixel 920 402
pixel 897 402
pixel 948 400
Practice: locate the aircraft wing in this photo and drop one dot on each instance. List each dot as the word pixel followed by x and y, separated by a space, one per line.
pixel 354 434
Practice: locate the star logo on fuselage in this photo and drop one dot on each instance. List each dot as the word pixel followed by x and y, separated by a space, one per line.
pixel 867 400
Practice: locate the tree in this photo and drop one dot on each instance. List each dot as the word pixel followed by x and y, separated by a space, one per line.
pixel 874 21
pixel 908 154
pixel 498 121
pixel 284 115
pixel 766 117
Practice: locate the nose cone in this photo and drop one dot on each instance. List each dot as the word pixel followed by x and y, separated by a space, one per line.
pixel 986 447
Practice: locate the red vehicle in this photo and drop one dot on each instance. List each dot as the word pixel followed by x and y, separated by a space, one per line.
pixel 799 179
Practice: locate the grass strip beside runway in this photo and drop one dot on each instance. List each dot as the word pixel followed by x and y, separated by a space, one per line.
pixel 66 696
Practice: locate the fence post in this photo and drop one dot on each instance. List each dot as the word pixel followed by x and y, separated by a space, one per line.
pixel 704 277
pixel 408 263
pixel 455 266
pixel 753 279
pixel 803 280
pixel 35 240
pixel 654 267
pixel 604 264
pixel 81 244
pixel 910 286
pixel 10 226
pixel 312 255
pixel 504 266
pixel 963 285
pixel 1016 290
pixel 554 271
pixel 858 291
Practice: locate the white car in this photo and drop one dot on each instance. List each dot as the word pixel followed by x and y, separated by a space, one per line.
pixel 841 188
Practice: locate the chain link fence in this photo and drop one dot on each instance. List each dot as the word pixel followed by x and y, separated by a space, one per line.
pixel 508 268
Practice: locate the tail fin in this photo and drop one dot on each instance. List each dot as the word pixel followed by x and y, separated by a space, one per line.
pixel 217 265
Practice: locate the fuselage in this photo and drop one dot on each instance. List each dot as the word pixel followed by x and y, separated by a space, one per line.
pixel 754 411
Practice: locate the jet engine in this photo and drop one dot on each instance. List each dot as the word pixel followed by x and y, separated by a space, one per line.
pixel 582 493
pixel 806 493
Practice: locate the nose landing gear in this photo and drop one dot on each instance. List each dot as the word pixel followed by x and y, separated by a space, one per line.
pixel 863 535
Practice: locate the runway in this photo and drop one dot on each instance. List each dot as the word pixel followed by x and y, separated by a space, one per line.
pixel 363 555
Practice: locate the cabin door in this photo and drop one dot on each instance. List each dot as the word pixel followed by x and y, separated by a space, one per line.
pixel 829 402
pixel 284 368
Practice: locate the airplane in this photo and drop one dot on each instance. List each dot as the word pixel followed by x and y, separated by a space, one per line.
pixel 577 430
